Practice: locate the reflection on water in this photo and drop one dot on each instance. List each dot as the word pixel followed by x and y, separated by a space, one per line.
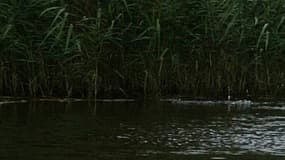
pixel 130 130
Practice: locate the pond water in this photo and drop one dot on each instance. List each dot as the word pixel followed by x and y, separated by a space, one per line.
pixel 148 131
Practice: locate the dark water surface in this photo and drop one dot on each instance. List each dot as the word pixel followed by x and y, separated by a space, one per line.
pixel 156 131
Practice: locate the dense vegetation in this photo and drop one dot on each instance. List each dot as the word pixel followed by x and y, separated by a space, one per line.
pixel 135 48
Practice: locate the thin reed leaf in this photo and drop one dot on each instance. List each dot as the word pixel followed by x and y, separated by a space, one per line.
pixel 7 29
pixel 68 38
pixel 261 35
pixel 267 40
pixel 51 9
pixel 281 23
pixel 229 26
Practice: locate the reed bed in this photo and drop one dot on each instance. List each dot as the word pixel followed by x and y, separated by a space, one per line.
pixel 142 48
